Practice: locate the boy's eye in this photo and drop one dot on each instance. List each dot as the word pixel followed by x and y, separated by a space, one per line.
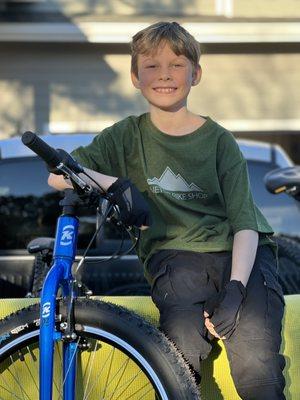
pixel 151 66
pixel 177 65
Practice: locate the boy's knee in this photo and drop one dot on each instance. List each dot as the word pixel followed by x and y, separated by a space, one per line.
pixel 183 328
pixel 258 371
pixel 262 391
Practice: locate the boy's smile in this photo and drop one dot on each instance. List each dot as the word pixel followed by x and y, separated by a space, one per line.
pixel 165 79
pixel 165 90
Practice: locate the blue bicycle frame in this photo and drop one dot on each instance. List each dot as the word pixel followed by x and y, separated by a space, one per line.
pixel 60 274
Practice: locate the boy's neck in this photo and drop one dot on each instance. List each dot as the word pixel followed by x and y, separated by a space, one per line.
pixel 178 123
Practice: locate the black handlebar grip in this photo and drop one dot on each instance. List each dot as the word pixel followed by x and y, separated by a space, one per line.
pixel 41 148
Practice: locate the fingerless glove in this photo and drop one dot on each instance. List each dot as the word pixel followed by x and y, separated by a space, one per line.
pixel 134 209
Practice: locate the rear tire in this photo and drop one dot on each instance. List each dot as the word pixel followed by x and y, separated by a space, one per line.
pixel 135 360
pixel 289 264
pixel 40 270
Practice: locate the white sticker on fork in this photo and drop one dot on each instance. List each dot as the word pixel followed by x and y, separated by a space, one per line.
pixel 46 309
pixel 67 235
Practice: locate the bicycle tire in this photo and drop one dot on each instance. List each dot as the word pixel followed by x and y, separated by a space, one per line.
pixel 40 270
pixel 289 264
pixel 158 370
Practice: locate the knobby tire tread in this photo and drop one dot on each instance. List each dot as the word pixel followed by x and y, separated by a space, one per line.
pixel 40 270
pixel 289 264
pixel 98 309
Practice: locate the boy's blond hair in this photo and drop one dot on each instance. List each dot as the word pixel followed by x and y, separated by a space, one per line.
pixel 180 40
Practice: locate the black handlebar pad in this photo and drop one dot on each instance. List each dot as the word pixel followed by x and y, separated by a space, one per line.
pixel 42 149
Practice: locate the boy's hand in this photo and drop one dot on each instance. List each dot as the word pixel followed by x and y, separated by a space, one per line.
pixel 134 210
pixel 221 311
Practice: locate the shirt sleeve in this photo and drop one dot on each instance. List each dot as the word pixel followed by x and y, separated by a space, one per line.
pixel 98 155
pixel 241 210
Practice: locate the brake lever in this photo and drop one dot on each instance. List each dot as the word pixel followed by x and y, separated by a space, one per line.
pixel 68 173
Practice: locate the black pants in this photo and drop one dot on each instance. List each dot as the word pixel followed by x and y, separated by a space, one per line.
pixel 183 280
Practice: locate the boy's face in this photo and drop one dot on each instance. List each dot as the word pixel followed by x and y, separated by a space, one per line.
pixel 165 79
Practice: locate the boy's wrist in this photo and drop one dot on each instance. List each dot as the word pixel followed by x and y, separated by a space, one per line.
pixel 105 181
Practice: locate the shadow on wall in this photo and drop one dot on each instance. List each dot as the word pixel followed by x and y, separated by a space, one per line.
pixel 43 83
pixel 159 8
pixel 64 83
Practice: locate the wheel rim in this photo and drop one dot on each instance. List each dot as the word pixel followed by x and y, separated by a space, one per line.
pixel 105 371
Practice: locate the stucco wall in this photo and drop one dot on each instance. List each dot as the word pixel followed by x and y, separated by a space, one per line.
pixel 180 8
pixel 85 87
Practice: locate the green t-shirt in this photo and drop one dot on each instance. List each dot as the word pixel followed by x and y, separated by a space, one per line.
pixel 196 185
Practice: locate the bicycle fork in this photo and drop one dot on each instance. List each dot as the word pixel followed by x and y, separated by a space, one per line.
pixel 59 274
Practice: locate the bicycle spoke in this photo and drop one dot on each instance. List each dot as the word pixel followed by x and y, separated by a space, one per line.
pixel 120 378
pixel 137 391
pixel 91 353
pixel 17 380
pixel 71 361
pixel 13 394
pixel 109 369
pixel 30 373
pixel 6 384
pixel 97 377
pixel 129 383
pixel 110 379
pixel 117 387
pixel 90 369
pixel 57 351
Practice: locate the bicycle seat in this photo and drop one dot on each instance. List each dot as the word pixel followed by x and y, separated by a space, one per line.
pixel 40 244
pixel 282 179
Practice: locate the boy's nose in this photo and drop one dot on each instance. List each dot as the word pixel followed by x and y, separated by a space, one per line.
pixel 165 77
pixel 165 74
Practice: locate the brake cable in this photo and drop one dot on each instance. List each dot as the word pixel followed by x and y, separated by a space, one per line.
pixel 116 255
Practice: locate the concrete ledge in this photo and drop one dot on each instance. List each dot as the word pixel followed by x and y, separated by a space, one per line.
pixel 114 32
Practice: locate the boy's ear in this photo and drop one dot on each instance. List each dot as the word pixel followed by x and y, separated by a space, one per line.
pixel 197 75
pixel 135 80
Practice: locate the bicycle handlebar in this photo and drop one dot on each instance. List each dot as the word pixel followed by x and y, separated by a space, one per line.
pixel 54 160
pixel 80 186
pixel 42 149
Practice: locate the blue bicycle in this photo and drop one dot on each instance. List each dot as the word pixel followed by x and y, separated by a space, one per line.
pixel 70 347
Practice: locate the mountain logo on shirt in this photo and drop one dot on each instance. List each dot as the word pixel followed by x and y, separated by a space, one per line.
pixel 176 186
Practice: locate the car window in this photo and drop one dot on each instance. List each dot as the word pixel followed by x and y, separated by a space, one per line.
pixel 23 177
pixel 281 211
pixel 29 207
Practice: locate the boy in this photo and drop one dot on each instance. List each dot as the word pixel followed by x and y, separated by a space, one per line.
pixel 207 254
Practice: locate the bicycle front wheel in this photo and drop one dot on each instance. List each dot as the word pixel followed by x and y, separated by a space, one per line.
pixel 120 356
